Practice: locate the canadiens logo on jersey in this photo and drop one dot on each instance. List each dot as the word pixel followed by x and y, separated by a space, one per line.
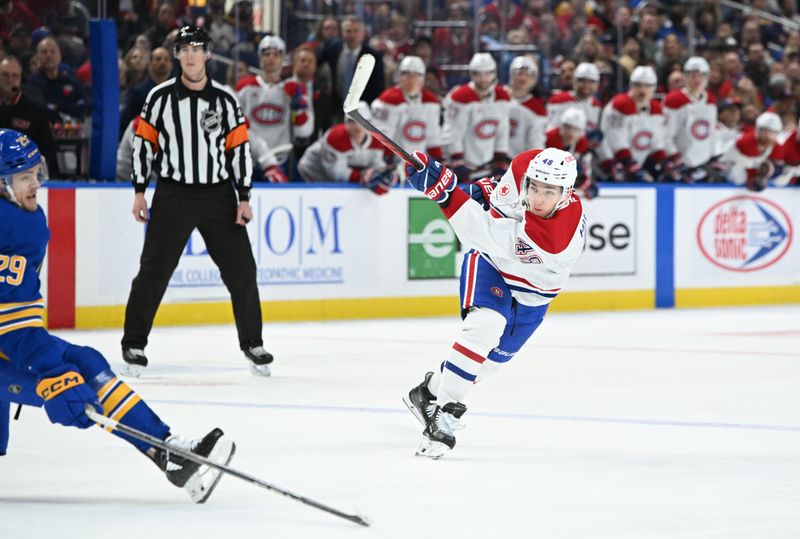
pixel 744 233
pixel 414 131
pixel 526 253
pixel 486 129
pixel 210 120
pixel 497 291
pixel 642 140
pixel 268 114
pixel 701 129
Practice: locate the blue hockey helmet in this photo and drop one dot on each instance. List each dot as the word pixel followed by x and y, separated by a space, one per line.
pixel 18 153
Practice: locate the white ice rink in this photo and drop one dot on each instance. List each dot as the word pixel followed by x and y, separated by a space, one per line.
pixel 669 424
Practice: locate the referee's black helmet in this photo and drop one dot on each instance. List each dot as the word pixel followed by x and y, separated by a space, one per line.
pixel 192 35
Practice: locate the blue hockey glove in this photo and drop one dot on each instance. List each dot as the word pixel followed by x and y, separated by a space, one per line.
pixel 435 180
pixel 66 395
pixel 481 190
pixel 379 181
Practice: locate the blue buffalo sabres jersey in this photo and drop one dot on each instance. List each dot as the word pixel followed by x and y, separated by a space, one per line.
pixel 23 242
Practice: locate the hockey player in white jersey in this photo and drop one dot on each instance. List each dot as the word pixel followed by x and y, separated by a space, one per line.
pixel 750 160
pixel 277 112
pixel 476 125
pixel 409 114
pixel 633 131
pixel 522 251
pixel 528 113
pixel 585 84
pixel 691 116
pixel 348 153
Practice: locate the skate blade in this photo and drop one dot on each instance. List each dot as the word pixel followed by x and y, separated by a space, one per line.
pixel 260 370
pixel 413 410
pixel 202 484
pixel 431 449
pixel 129 369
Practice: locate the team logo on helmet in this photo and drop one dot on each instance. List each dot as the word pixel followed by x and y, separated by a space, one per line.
pixel 700 129
pixel 414 131
pixel 744 233
pixel 268 114
pixel 486 129
pixel 642 140
pixel 210 120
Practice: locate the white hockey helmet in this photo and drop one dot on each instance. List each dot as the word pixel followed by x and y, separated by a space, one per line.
pixel 588 71
pixel 574 117
pixel 696 63
pixel 523 63
pixel 644 75
pixel 271 42
pixel 412 64
pixel 482 62
pixel 554 167
pixel 769 121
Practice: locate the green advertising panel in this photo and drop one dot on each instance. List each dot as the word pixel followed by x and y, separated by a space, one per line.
pixel 432 244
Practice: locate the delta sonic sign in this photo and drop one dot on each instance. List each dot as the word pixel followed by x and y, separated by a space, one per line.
pixel 744 233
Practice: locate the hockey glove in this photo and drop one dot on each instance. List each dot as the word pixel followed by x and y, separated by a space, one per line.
pixel 435 180
pixel 481 190
pixel 379 181
pixel 66 395
pixel 275 174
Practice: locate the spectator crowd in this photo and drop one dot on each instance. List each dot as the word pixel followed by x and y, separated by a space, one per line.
pixel 637 90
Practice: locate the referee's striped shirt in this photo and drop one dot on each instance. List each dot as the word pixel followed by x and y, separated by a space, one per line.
pixel 195 138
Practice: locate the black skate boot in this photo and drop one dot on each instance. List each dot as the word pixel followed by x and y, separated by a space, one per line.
pixel 259 360
pixel 135 361
pixel 437 438
pixel 421 401
pixel 199 481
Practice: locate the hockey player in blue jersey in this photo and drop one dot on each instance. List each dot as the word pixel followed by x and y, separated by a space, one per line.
pixel 525 234
pixel 39 369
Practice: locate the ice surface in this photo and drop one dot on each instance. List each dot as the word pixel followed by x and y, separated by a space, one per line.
pixel 607 425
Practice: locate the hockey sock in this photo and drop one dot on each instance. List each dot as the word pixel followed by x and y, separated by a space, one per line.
pixel 480 333
pixel 122 404
pixel 489 368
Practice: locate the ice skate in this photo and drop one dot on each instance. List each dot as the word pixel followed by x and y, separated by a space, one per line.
pixel 437 438
pixel 421 402
pixel 198 480
pixel 135 361
pixel 259 360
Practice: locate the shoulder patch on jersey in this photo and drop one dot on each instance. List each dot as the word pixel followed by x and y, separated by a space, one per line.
pixel 655 107
pixel 561 97
pixel 338 138
pixel 555 234
pixel 520 164
pixel 392 96
pixel 624 104
pixel 245 82
pixel 747 145
pixel 464 94
pixel 429 97
pixel 500 93
pixel 676 99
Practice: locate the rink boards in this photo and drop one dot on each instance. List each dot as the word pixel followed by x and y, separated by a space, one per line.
pixel 344 253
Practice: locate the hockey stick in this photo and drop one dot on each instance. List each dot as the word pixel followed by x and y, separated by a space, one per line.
pixel 116 425
pixel 360 78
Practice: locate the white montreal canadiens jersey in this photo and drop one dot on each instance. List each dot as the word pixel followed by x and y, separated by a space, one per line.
pixel 474 128
pixel 691 127
pixel 334 157
pixel 744 158
pixel 528 121
pixel 629 133
pixel 535 256
pixel 413 123
pixel 563 100
pixel 270 123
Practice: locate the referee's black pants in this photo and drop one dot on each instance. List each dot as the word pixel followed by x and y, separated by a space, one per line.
pixel 176 211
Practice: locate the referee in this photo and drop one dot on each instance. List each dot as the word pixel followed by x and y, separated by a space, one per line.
pixel 192 135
